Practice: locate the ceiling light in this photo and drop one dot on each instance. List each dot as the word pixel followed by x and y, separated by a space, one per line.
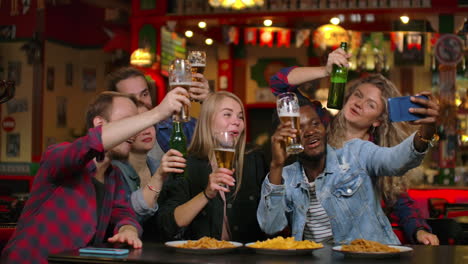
pixel 267 22
pixel 404 19
pixel 236 4
pixel 141 57
pixel 335 20
pixel 202 24
pixel 189 33
pixel 208 41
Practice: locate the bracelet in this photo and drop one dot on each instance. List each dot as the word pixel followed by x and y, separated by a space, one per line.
pixel 206 196
pixel 152 188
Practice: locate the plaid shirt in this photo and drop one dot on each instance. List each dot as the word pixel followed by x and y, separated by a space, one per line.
pixel 405 212
pixel 409 217
pixel 60 214
pixel 279 82
pixel 164 130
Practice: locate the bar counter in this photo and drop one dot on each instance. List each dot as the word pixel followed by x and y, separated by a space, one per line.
pixel 158 253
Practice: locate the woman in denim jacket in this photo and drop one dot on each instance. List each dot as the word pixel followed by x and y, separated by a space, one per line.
pixel 343 179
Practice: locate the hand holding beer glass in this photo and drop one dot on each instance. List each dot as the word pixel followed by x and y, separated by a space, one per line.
pixel 197 60
pixel 225 149
pixel 180 75
pixel 287 106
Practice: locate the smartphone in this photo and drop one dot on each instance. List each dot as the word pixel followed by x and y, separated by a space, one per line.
pixel 398 109
pixel 104 251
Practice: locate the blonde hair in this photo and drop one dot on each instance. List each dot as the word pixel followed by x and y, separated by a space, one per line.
pixel 202 145
pixel 388 134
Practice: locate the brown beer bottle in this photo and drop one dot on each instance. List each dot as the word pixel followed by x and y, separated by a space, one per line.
pixel 338 79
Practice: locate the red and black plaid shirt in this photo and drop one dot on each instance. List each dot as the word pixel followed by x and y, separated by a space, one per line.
pixel 60 214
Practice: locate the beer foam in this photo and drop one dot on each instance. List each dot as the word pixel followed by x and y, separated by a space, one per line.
pixel 175 84
pixel 282 112
pixel 225 149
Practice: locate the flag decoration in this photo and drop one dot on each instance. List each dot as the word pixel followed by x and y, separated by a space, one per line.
pixel 250 35
pixel 303 38
pixel 266 37
pixel 231 35
pixel 284 38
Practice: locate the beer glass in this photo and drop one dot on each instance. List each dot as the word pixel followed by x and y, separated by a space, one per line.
pixel 180 76
pixel 287 106
pixel 198 61
pixel 225 149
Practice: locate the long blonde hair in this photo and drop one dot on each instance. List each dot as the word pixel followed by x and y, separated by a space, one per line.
pixel 202 145
pixel 388 134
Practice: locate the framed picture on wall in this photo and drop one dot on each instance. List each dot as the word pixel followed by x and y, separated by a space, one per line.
pixel 14 72
pixel 61 111
pixel 50 78
pixel 69 74
pixel 89 80
pixel 13 145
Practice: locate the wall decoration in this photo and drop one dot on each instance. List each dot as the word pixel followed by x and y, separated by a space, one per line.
pixel 89 80
pixel 13 145
pixel 410 49
pixel 17 105
pixel 14 72
pixel 50 78
pixel 69 74
pixel 7 32
pixel 61 111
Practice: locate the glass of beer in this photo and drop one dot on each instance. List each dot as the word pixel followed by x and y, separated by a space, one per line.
pixel 180 75
pixel 225 150
pixel 198 61
pixel 287 106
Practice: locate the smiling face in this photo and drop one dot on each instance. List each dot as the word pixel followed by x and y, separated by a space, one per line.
pixel 313 133
pixel 137 86
pixel 364 106
pixel 144 141
pixel 228 117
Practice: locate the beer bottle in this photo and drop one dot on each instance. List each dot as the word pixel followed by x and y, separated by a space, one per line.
pixel 178 142
pixel 338 80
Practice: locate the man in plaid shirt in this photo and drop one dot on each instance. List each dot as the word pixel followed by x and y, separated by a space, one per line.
pixel 77 194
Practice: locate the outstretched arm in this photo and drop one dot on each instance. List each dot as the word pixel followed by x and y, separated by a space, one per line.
pixel 116 132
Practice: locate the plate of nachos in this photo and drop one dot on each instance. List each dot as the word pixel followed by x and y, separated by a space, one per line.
pixel 204 245
pixel 284 246
pixel 371 249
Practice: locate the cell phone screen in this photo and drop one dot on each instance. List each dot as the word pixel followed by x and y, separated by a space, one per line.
pixel 105 251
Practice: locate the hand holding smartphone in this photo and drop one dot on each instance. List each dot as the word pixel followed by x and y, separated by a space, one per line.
pixel 398 109
pixel 104 251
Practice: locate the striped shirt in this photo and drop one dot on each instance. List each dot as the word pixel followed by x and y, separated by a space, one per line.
pixel 317 227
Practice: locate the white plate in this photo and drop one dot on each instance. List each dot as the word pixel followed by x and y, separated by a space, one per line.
pixel 175 245
pixel 403 250
pixel 271 251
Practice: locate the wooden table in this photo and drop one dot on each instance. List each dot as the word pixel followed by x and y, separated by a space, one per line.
pixel 158 253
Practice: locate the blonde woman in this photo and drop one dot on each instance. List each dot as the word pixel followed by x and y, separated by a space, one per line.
pixel 211 201
pixel 364 115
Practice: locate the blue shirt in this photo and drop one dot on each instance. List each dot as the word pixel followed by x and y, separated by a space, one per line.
pixel 344 189
pixel 164 130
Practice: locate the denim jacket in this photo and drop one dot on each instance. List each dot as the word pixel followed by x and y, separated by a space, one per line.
pixel 133 190
pixel 345 190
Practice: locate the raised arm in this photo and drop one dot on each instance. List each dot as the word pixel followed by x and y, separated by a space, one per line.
pixel 116 132
pixel 288 79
